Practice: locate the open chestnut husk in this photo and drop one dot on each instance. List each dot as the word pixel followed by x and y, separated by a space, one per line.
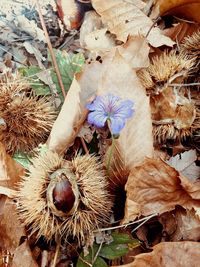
pixel 63 198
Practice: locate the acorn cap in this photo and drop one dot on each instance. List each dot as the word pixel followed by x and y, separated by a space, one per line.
pixel 27 119
pixel 63 198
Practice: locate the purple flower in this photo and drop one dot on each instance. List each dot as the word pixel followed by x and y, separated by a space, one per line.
pixel 110 108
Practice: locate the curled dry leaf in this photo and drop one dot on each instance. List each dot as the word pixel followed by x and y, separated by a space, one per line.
pixel 156 187
pixel 10 233
pixel 92 21
pixel 10 172
pixel 184 254
pixel 73 112
pixel 99 41
pixel 188 9
pixel 23 257
pixel 135 141
pixel 181 30
pixel 93 36
pixel 181 225
pixel 126 18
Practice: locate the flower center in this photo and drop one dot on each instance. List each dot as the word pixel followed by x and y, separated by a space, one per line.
pixel 109 111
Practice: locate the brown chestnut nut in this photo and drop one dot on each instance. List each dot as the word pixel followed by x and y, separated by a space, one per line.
pixel 71 13
pixel 63 196
pixel 60 198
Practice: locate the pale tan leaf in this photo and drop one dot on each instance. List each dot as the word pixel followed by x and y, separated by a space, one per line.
pixel 136 52
pixel 176 254
pixel 7 191
pixel 73 112
pixel 156 187
pixel 135 141
pixel 92 21
pixel 23 257
pixel 99 41
pixel 185 164
pixel 125 18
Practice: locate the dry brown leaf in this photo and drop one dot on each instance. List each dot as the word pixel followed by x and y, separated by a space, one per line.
pixel 181 30
pixel 170 107
pixel 73 112
pixel 176 254
pixel 11 229
pixel 10 171
pixel 125 18
pixel 156 187
pixel 189 9
pixel 135 141
pixel 23 257
pixel 181 225
pixel 86 132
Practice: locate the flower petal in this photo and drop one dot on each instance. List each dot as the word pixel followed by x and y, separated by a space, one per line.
pixel 97 118
pixel 97 104
pixel 124 110
pixel 116 125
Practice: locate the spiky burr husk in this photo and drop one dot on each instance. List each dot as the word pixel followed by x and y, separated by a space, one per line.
pixel 191 46
pixel 91 203
pixel 168 66
pixel 26 120
pixel 172 110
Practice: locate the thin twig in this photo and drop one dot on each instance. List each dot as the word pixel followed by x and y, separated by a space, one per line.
pixel 44 261
pixel 154 23
pixel 50 49
pixel 84 146
pixel 55 62
pixel 139 225
pixel 183 84
pixel 56 252
pixel 127 224
pixel 97 254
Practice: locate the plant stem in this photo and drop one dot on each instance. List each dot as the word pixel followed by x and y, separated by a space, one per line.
pixel 110 155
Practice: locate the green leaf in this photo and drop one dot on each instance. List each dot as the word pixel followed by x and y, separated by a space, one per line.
pixel 22 159
pixel 69 65
pixel 119 246
pixel 121 238
pixel 36 84
pixel 113 251
pixel 88 261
